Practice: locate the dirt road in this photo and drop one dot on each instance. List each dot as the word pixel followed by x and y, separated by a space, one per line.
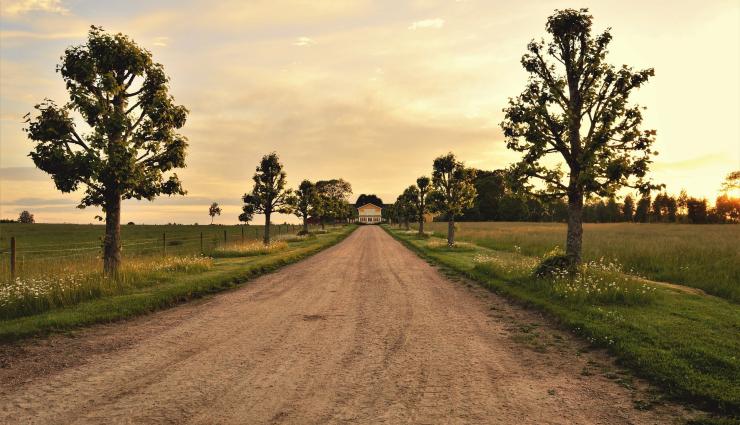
pixel 364 332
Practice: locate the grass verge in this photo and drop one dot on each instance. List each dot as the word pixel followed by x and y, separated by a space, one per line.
pixel 687 344
pixel 166 291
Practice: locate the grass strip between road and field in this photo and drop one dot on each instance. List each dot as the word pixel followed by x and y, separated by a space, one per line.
pixel 686 344
pixel 176 288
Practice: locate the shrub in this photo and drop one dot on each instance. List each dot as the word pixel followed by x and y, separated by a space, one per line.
pixel 551 266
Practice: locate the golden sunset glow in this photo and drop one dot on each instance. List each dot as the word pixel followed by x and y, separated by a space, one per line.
pixel 367 91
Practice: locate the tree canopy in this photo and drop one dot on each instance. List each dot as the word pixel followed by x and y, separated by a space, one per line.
pixel 130 121
pixel 453 190
pixel 269 194
pixel 575 106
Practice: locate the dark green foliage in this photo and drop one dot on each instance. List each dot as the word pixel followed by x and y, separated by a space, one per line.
pixel 268 194
pixel 368 199
pixel 453 190
pixel 580 115
pixel 305 202
pixel 26 217
pixel 122 97
pixel 214 210
pixel 642 212
pixel 405 205
pixel 333 201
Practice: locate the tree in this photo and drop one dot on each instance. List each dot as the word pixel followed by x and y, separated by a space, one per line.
pixel 581 115
pixel 368 199
pixel 304 202
pixel 453 190
pixel 727 209
pixel 696 210
pixel 732 182
pixel 214 210
pixel 423 186
pixel 406 205
pixel 628 208
pixel 268 194
pixel 642 211
pixel 121 96
pixel 246 216
pixel 26 217
pixel 333 200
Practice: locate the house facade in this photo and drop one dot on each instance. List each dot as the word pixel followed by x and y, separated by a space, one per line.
pixel 369 214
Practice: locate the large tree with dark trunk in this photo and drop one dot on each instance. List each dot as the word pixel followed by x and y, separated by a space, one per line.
pixel 575 106
pixel 130 124
pixel 453 191
pixel 406 205
pixel 269 194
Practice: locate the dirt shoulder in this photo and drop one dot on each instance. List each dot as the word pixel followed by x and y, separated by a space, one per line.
pixel 364 332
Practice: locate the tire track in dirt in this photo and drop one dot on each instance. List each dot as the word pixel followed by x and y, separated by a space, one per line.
pixel 364 332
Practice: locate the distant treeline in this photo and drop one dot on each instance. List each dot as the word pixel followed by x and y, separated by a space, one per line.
pixel 496 201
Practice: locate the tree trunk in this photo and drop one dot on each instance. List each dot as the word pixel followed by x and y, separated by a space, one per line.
pixel 305 224
pixel 266 239
pixel 421 224
pixel 112 241
pixel 451 232
pixel 406 223
pixel 574 240
pixel 322 223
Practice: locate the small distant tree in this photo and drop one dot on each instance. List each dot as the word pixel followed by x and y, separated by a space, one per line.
pixel 628 208
pixel 405 205
pixel 697 210
pixel 727 209
pixel 269 194
pixel 246 216
pixel 582 116
pixel 423 185
pixel 26 218
pixel 122 97
pixel 453 191
pixel 304 202
pixel 214 210
pixel 642 211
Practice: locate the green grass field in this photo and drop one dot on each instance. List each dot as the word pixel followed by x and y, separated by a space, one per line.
pixel 702 256
pixel 63 291
pixel 686 343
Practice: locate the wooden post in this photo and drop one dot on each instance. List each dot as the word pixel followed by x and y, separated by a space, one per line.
pixel 12 258
pixel 242 234
pixel 164 243
pixel 224 236
pixel 201 242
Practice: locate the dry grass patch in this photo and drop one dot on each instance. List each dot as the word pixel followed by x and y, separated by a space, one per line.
pixel 248 249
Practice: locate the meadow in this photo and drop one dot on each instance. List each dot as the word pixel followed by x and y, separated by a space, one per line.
pixel 684 341
pixel 59 265
pixel 706 257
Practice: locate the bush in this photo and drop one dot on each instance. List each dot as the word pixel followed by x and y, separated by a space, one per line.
pixel 551 266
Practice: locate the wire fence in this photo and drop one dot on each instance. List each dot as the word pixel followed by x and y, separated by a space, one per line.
pixel 18 259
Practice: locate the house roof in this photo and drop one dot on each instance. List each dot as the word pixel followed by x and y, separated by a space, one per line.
pixel 371 205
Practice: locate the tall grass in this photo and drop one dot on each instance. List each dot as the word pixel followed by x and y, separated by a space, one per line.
pixel 71 282
pixel 701 256
pixel 248 249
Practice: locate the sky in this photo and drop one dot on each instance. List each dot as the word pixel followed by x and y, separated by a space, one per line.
pixel 369 91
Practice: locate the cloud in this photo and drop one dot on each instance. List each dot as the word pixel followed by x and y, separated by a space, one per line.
pixel 435 23
pixel 161 41
pixel 21 7
pixel 303 41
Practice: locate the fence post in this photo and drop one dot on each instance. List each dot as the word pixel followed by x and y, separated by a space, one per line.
pixel 242 234
pixel 164 244
pixel 12 258
pixel 224 236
